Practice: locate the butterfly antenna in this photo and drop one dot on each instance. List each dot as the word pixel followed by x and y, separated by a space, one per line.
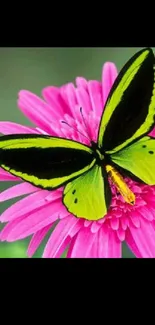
pixel 64 122
pixel 84 121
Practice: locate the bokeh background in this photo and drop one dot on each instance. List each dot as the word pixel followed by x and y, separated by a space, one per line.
pixel 34 69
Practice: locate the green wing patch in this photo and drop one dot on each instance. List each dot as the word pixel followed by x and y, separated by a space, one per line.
pixel 139 159
pixel 89 195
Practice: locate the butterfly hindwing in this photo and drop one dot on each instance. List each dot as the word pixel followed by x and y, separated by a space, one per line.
pixel 129 112
pixel 44 161
pixel 138 159
pixel 89 195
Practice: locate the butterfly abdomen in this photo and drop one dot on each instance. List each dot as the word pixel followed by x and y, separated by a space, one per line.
pixel 120 184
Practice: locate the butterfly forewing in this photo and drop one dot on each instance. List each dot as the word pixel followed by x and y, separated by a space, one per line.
pixel 44 161
pixel 130 108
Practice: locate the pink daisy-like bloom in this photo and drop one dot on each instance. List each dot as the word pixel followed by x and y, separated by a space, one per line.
pixel 40 210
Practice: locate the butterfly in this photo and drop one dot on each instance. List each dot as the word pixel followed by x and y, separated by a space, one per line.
pixel 123 147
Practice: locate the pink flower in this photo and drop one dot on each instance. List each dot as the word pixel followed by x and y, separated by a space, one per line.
pixel 40 210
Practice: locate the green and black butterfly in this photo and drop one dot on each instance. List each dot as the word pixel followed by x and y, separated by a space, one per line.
pixel 129 115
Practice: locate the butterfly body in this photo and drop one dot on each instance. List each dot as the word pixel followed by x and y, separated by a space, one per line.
pixel 98 155
pixel 122 144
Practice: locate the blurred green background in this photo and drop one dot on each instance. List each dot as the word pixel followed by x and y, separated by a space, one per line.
pixel 34 69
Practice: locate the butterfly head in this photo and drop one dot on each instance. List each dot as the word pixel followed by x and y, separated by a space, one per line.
pixel 97 153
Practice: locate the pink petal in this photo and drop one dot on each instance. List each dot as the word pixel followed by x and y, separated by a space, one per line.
pixel 87 223
pixel 83 243
pixel 14 128
pixel 76 228
pixel 146 213
pixel 8 228
pixel 72 100
pixel 152 210
pixel 117 214
pixel 5 176
pixel 114 222
pixel 152 133
pixel 135 218
pixel 109 75
pixel 79 126
pixel 81 82
pixel 109 246
pixel 66 132
pixel 140 202
pixel 94 249
pixel 153 223
pixel 92 253
pixel 121 234
pixel 59 236
pixel 148 198
pixel 17 190
pixel 36 221
pixel 27 205
pixel 70 120
pixel 151 202
pixel 103 244
pixel 81 138
pixel 136 189
pixel 63 247
pixel 101 221
pixel 72 242
pixel 144 238
pixel 74 133
pixel 41 131
pixel 37 111
pixel 87 120
pixel 39 104
pixel 83 100
pixel 54 97
pixel 36 240
pixel 132 245
pixel 124 223
pixel 65 97
pixel 95 226
pixel 93 126
pixel 95 93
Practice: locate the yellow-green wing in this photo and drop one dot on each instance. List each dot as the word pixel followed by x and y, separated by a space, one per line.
pixel 89 195
pixel 44 161
pixel 130 108
pixel 138 159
